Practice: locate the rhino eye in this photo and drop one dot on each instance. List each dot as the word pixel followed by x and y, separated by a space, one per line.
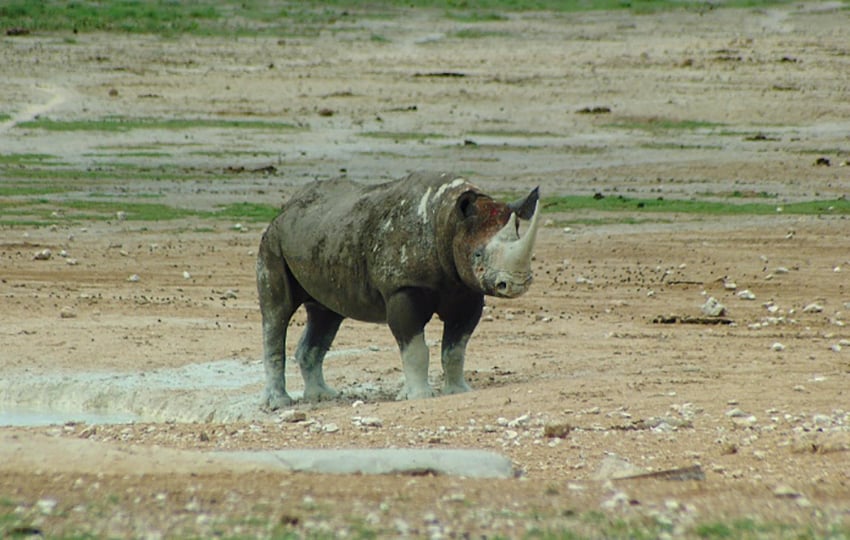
pixel 477 255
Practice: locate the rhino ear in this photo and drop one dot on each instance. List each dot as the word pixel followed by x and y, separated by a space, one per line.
pixel 524 208
pixel 466 204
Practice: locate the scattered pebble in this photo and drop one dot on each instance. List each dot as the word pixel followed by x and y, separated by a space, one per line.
pixel 367 421
pixel 556 431
pixel 746 294
pixel 43 255
pixel 186 275
pixel 330 428
pixel 785 491
pixel 291 415
pixel 814 307
pixel 778 347
pixel 713 307
pixel 134 278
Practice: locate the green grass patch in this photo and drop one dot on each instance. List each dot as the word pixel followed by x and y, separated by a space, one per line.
pixel 43 211
pixel 654 124
pixel 26 159
pixel 475 33
pixel 620 204
pixel 401 135
pixel 305 17
pixel 124 124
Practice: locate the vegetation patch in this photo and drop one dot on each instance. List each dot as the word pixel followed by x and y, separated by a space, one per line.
pixel 691 206
pixel 402 135
pixel 307 17
pixel 123 124
pixel 654 124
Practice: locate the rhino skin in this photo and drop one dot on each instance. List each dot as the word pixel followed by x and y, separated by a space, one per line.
pixel 397 252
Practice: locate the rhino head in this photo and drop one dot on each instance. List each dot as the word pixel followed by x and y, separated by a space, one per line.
pixel 490 255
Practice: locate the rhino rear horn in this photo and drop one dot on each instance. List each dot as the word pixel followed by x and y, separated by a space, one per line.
pixel 525 207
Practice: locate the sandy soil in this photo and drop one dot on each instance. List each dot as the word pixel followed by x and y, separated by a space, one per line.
pixel 578 382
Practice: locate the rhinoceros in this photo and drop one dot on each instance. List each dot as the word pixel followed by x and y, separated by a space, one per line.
pixel 397 252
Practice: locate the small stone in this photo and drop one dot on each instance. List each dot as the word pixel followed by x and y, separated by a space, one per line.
pixel 43 255
pixel 186 275
pixel 730 285
pixel 292 416
pixel 780 270
pixel 70 261
pixel 814 307
pixel 713 307
pixel 330 428
pixel 121 215
pixel 785 491
pixel 778 347
pixel 134 278
pixel 371 421
pixel 67 312
pixel 556 431
pixel 735 413
pixel 46 506
pixel 836 348
pixel 581 280
pixel 746 294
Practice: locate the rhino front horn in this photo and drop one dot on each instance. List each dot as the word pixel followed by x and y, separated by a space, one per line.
pixel 509 256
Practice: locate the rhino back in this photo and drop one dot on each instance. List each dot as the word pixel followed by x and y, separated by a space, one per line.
pixel 351 245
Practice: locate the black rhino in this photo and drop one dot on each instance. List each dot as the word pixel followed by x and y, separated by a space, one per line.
pixel 398 253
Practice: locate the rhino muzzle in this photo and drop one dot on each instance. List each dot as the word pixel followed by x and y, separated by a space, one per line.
pixel 506 264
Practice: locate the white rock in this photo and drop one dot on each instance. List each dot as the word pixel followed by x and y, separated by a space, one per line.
pixel 43 255
pixel 134 278
pixel 371 421
pixel 70 261
pixel 121 215
pixel 713 307
pixel 581 280
pixel 730 285
pixel 786 491
pixel 186 275
pixel 330 428
pixel 814 307
pixel 746 294
pixel 46 506
pixel 780 270
pixel 291 415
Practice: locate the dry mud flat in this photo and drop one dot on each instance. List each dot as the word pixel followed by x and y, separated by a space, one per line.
pixel 617 423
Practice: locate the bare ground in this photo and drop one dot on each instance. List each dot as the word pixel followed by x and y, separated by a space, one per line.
pixel 760 405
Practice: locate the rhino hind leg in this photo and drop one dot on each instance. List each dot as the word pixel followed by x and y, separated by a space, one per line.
pixel 279 299
pixel 408 311
pixel 459 322
pixel 322 326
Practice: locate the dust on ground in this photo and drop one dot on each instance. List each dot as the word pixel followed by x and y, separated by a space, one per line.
pixel 575 381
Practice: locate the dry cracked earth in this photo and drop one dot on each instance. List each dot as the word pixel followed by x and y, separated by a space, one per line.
pixel 625 410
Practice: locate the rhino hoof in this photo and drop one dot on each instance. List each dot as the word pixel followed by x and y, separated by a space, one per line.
pixel 456 389
pixel 415 393
pixel 274 402
pixel 321 393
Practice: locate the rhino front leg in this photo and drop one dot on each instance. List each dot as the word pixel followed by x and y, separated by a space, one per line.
pixel 322 326
pixel 458 324
pixel 408 311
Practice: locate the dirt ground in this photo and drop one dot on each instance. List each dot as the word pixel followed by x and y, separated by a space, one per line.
pixel 580 382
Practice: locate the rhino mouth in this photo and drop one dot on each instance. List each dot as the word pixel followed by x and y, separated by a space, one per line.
pixel 508 284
